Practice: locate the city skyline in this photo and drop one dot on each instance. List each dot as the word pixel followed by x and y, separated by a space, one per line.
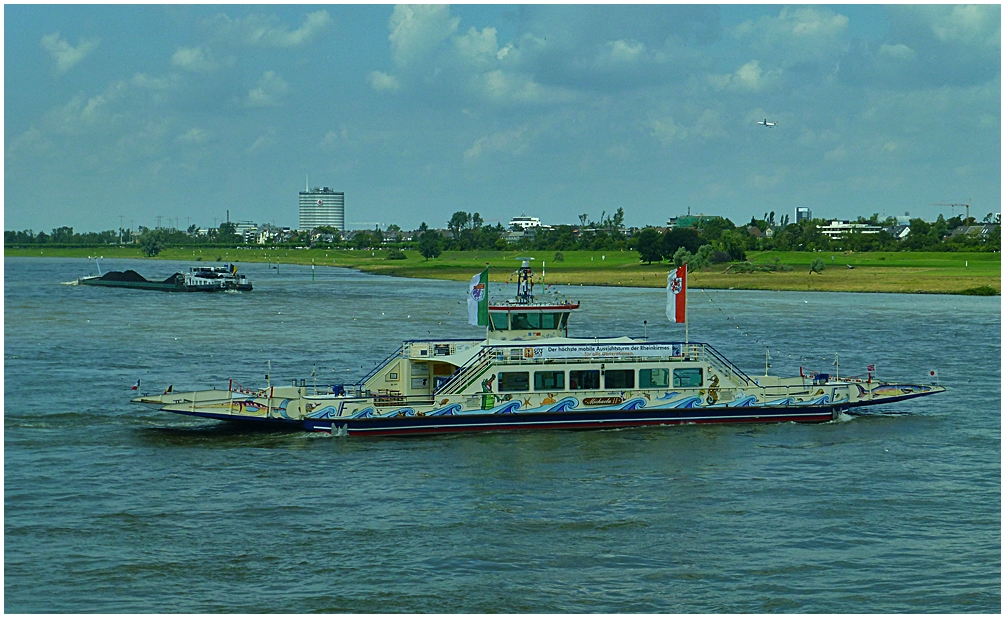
pixel 128 113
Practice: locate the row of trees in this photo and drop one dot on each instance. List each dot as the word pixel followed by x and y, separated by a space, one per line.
pixel 468 231
pixel 729 242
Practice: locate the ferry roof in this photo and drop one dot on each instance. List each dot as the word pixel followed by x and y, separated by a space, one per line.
pixel 511 306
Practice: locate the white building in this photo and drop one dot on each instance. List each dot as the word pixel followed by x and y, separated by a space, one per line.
pixel 246 229
pixel 524 222
pixel 837 229
pixel 322 206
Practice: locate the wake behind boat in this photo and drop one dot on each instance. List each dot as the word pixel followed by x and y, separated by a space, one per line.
pixel 198 279
pixel 529 374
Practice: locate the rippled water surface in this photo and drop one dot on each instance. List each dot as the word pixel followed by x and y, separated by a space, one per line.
pixel 114 508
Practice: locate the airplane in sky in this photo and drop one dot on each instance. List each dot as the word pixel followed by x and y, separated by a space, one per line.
pixel 766 123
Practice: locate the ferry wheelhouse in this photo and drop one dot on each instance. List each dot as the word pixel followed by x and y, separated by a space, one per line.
pixel 529 374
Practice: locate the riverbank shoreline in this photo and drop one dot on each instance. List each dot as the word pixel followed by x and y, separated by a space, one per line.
pixel 902 272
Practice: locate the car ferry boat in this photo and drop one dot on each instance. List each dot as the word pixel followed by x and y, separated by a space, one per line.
pixel 529 374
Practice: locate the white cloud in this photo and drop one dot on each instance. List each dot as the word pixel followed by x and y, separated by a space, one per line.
pixel 331 139
pixel 666 130
pixel 263 31
pixel 750 77
pixel 193 136
pixel 796 35
pixel 515 142
pixel 896 52
pixel 805 23
pixel 269 91
pixel 263 142
pixel 836 155
pixel 478 47
pixel 970 24
pixel 507 88
pixel 31 141
pixel 382 81
pixel 142 80
pixel 194 59
pixel 82 113
pixel 65 55
pixel 707 125
pixel 417 30
pixel 624 51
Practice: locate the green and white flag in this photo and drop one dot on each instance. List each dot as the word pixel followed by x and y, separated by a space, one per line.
pixel 478 299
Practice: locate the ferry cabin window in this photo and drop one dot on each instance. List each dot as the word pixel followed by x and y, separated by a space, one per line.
pixel 549 380
pixel 687 377
pixel 499 321
pixel 619 378
pixel 654 378
pixel 584 380
pixel 512 381
pixel 565 320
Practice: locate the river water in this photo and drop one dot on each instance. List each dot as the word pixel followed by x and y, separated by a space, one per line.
pixel 111 507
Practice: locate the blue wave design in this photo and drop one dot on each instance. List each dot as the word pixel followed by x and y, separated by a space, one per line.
pixel 633 404
pixel 786 401
pixel 510 407
pixel 326 412
pixel 367 412
pixel 450 410
pixel 689 402
pixel 747 401
pixel 563 405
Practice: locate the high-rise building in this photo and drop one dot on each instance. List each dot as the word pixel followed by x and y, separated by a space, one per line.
pixel 322 206
pixel 802 213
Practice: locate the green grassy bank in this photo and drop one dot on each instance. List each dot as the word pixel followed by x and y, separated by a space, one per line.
pixel 909 272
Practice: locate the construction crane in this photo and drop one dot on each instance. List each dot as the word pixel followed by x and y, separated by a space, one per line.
pixel 964 205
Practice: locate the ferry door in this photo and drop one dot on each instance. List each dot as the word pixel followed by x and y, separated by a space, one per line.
pixel 441 374
pixel 420 379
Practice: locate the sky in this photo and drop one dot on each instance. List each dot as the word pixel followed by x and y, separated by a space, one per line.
pixel 120 114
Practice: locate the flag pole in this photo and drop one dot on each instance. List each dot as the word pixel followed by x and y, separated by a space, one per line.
pixel 686 338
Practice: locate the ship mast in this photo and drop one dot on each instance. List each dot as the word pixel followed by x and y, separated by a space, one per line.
pixel 525 283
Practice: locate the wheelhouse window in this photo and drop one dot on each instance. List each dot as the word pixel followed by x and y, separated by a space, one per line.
pixel 499 320
pixel 514 381
pixel 549 380
pixel 550 320
pixel 654 378
pixel 619 378
pixel 687 377
pixel 588 379
pixel 521 321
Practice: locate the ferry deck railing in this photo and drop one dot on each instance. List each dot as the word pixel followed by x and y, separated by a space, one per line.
pixel 376 368
pixel 467 373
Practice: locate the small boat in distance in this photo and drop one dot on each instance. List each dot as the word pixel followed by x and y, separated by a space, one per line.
pixel 529 374
pixel 198 279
